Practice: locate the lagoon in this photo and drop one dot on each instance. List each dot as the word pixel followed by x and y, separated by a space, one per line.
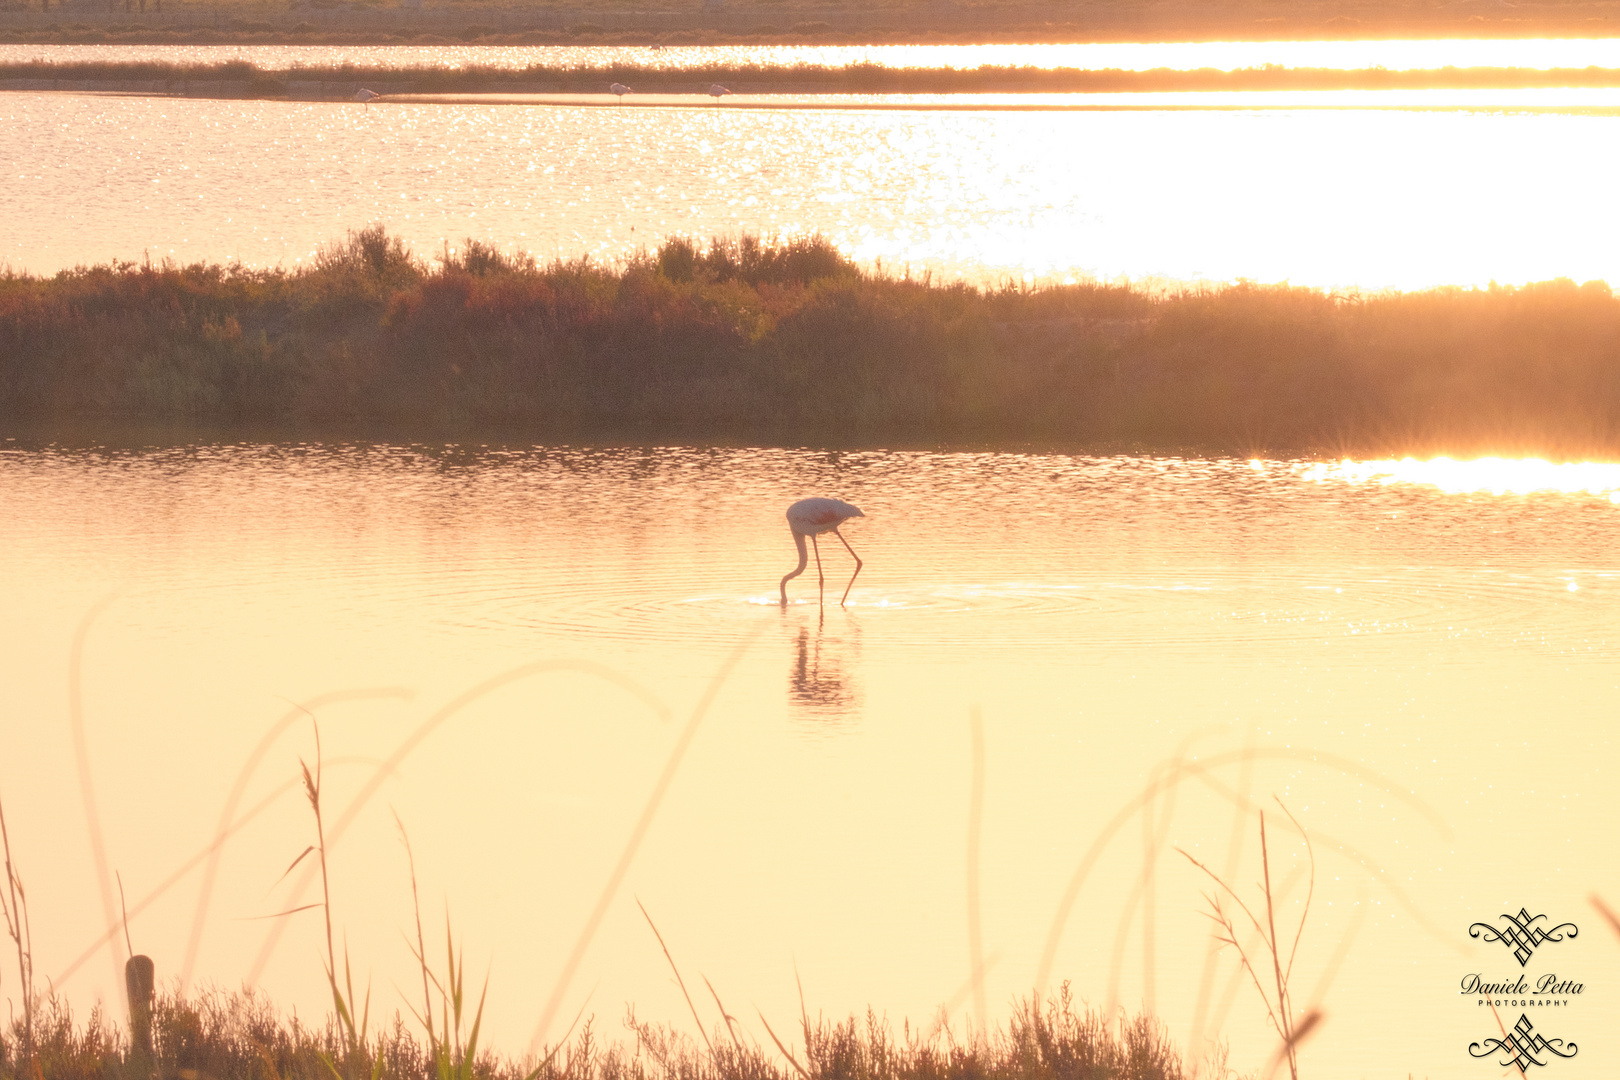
pixel 511 643
pixel 1459 192
pixel 1417 659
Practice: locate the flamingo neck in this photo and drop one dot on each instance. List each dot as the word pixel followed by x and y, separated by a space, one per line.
pixel 804 560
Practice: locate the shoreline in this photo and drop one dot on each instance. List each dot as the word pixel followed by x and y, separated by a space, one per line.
pixel 932 23
pixel 240 79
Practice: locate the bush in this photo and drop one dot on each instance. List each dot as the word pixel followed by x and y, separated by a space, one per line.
pixel 790 341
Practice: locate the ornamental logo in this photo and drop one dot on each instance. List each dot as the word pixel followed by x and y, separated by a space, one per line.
pixel 1521 935
pixel 1521 1046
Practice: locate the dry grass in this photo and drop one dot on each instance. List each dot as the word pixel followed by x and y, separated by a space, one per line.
pixel 1291 1028
pixel 216 1035
pixel 14 909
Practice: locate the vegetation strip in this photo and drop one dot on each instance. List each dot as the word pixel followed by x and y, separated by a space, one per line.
pixel 789 342
pixel 241 1036
pixel 862 78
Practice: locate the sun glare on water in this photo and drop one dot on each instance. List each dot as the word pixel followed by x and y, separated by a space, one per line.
pixel 1492 475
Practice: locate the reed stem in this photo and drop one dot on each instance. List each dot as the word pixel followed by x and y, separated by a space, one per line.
pixel 15 907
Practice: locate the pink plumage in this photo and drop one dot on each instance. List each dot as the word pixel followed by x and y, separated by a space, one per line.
pixel 811 517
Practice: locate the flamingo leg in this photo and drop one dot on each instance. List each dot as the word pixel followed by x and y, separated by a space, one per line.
pixel 821 584
pixel 858 565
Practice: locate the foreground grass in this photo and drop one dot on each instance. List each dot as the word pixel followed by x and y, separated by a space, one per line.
pixel 241 1036
pixel 791 343
pixel 218 1035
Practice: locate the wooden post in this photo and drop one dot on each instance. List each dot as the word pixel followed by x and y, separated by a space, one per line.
pixel 140 981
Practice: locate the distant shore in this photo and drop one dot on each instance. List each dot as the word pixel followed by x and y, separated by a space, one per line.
pixel 238 79
pixel 790 343
pixel 585 22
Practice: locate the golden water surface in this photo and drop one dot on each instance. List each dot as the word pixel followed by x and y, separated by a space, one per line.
pixel 508 647
pixel 1389 190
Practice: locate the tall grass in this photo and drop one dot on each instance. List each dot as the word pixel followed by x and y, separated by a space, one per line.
pixel 789 341
pixel 220 1035
pixel 216 1035
pixel 14 910
pixel 1291 1028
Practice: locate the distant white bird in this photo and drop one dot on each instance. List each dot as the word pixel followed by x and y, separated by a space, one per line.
pixel 620 89
pixel 366 97
pixel 717 92
pixel 811 517
pixel 657 48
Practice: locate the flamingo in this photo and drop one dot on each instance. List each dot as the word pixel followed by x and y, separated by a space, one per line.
pixel 620 89
pixel 812 517
pixel 366 97
pixel 717 92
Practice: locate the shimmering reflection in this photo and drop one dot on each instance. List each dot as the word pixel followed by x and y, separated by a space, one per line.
pixel 1407 668
pixel 1559 99
pixel 1127 56
pixel 1498 476
pixel 1304 196
pixel 823 683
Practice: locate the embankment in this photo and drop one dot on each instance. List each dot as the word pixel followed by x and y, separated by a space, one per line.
pixel 240 78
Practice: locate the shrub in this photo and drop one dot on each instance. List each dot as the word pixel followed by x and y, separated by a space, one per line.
pixel 789 340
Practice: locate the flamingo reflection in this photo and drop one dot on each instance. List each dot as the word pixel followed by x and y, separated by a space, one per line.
pixel 820 682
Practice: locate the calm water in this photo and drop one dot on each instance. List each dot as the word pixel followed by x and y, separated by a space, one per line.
pixel 1226 55
pixel 508 647
pixel 1418 659
pixel 1369 197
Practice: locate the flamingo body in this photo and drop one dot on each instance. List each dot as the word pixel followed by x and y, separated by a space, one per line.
pixel 366 97
pixel 812 517
pixel 619 89
pixel 717 92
